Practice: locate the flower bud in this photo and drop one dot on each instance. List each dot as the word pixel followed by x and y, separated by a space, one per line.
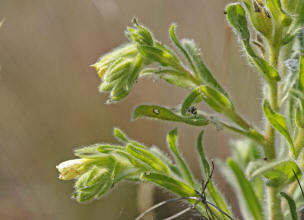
pixel 71 169
pixel 104 62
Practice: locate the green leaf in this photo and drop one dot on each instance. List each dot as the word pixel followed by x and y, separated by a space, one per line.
pixel 299 117
pixel 244 151
pixel 212 189
pixel 216 100
pixel 260 20
pixel 193 97
pixel 292 66
pixel 172 143
pixel 161 155
pixel 278 122
pixel 148 158
pixel 277 172
pixel 297 94
pixel 158 112
pixel 200 149
pixel 177 43
pixel 175 77
pixel 237 18
pixel 120 135
pixel 169 183
pixel 292 205
pixel 114 150
pixel 201 68
pixel 252 201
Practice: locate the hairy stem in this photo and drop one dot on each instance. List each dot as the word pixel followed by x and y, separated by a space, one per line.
pixel 273 198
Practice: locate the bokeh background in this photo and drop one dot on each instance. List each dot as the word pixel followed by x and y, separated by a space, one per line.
pixel 50 104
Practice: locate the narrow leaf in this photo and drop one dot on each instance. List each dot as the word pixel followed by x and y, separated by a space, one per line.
pixel 216 100
pixel 279 123
pixel 212 189
pixel 120 135
pixel 236 16
pixel 172 143
pixel 201 68
pixel 180 47
pixel 292 205
pixel 247 190
pixel 169 183
pixel 158 112
pixel 277 172
pixel 161 155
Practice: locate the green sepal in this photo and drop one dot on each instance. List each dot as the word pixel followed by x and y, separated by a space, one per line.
pixel 160 54
pixel 92 184
pixel 104 62
pixel 120 77
pixel 148 158
pixel 139 34
pixel 92 152
pixel 174 77
pixel 159 112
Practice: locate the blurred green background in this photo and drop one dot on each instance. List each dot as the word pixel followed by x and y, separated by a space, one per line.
pixel 50 104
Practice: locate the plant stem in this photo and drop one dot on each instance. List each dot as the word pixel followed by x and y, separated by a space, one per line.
pixel 274 204
pixel 273 198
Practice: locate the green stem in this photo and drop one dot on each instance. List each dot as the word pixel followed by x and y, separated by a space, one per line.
pixel 235 117
pixel 274 204
pixel 273 198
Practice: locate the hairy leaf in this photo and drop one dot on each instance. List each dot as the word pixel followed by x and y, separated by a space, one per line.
pixel 169 183
pixel 252 201
pixel 277 172
pixel 212 189
pixel 278 122
pixel 172 143
pixel 148 158
pixel 292 205
pixel 158 112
